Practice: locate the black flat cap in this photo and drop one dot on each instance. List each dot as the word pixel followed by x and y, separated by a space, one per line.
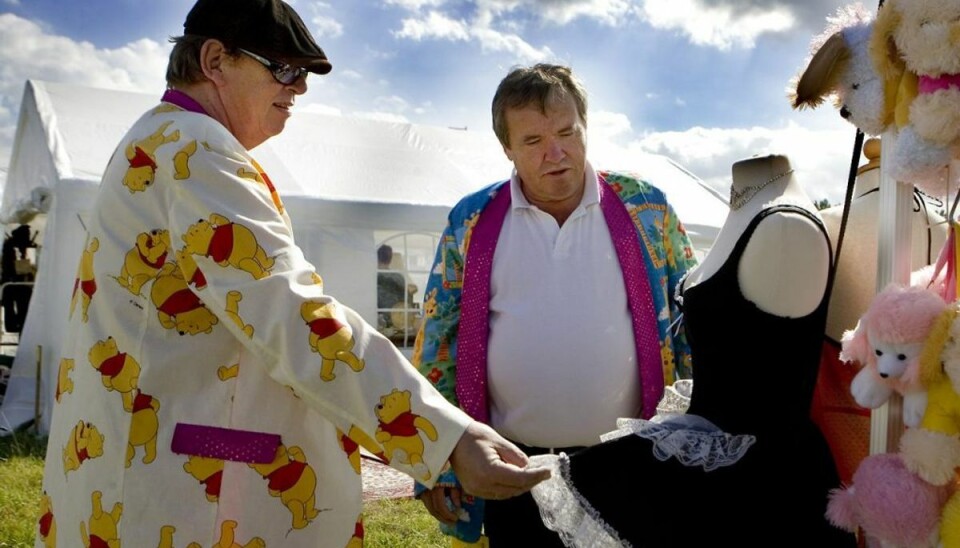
pixel 267 27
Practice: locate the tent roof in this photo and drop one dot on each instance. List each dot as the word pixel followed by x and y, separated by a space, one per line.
pixel 69 132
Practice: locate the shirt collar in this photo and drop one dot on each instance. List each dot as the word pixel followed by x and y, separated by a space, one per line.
pixel 591 192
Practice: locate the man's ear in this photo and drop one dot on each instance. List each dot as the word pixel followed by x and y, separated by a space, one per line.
pixel 213 54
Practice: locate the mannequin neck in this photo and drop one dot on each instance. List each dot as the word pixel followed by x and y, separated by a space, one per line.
pixel 758 178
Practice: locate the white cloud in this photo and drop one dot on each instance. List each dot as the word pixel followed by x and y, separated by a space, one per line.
pixel 392 103
pixel 326 27
pixel 821 157
pixel 415 5
pixel 27 51
pixel 436 26
pixel 722 26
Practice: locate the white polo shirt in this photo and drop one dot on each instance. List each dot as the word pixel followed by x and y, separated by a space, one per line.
pixel 561 359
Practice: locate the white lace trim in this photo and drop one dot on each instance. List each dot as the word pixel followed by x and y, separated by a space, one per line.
pixel 564 510
pixel 691 439
pixel 676 398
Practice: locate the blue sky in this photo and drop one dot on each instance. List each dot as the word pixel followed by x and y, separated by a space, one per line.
pixel 701 81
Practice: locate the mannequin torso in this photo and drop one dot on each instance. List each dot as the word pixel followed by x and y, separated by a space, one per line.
pixel 784 267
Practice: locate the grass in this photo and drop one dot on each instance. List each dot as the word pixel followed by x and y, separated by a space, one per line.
pixel 388 523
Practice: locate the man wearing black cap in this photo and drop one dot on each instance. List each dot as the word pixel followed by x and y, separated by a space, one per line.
pixel 216 390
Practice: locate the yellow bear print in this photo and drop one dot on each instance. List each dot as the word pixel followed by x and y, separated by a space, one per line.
pixel 85 442
pixel 181 161
pixel 178 307
pixel 227 538
pixel 330 337
pixel 225 372
pixel 64 382
pixel 143 428
pixel 294 481
pixel 351 443
pixel 144 260
pixel 85 281
pixel 103 525
pixel 47 523
pixel 118 370
pixel 191 272
pixel 141 157
pixel 233 310
pixel 356 541
pixel 399 434
pixel 208 471
pixel 166 538
pixel 258 175
pixel 228 244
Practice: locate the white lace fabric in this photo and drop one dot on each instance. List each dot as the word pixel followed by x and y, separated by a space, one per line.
pixel 565 511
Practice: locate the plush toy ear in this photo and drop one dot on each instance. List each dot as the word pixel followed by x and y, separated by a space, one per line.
pixel 842 509
pixel 854 346
pixel 886 56
pixel 822 74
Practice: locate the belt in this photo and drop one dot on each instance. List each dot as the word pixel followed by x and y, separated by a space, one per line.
pixel 531 451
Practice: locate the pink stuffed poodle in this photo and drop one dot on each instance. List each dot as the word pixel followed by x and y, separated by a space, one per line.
pixel 893 505
pixel 887 344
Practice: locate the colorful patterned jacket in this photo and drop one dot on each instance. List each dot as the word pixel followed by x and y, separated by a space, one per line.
pixel 667 254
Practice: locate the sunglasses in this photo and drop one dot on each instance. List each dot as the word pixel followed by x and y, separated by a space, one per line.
pixel 282 72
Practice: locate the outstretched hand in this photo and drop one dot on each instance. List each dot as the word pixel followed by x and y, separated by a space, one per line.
pixel 491 467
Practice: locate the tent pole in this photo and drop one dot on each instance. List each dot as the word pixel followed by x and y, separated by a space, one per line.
pixel 36 399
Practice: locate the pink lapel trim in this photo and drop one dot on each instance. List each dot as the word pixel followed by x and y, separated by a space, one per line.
pixel 473 333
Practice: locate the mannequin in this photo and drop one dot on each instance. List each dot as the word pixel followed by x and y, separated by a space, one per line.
pixel 845 424
pixel 745 464
pixel 786 251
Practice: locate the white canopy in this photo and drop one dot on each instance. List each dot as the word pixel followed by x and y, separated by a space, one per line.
pixel 342 179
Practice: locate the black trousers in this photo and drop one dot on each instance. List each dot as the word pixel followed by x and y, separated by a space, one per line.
pixel 516 522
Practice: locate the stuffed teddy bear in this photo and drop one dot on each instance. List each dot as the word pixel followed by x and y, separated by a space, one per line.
pixel 887 344
pixel 842 67
pixel 916 47
pixel 890 503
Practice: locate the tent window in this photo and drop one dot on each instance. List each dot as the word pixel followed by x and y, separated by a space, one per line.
pixel 403 265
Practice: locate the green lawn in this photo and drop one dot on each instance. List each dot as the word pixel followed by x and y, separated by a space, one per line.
pixel 395 523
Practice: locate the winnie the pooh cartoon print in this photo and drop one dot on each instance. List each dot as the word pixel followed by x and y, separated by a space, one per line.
pixel 178 307
pixel 144 260
pixel 293 480
pixel 227 537
pixel 85 442
pixel 232 309
pixel 351 443
pixel 143 428
pixel 85 282
pixel 228 244
pixel 356 541
pixel 330 336
pixel 208 471
pixel 181 161
pixel 47 524
pixel 64 382
pixel 102 525
pixel 118 370
pixel 399 432
pixel 140 156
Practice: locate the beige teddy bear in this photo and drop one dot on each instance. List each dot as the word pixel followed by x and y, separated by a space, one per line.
pixel 118 371
pixel 399 434
pixel 293 480
pixel 330 336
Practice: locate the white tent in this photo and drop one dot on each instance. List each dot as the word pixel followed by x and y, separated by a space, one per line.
pixel 347 183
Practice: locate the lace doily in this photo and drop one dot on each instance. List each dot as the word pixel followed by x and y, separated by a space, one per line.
pixel 565 511
pixel 691 439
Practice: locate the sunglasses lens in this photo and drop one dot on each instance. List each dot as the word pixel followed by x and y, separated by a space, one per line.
pixel 287 75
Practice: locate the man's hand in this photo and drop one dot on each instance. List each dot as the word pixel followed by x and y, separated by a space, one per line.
pixel 491 467
pixel 435 500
